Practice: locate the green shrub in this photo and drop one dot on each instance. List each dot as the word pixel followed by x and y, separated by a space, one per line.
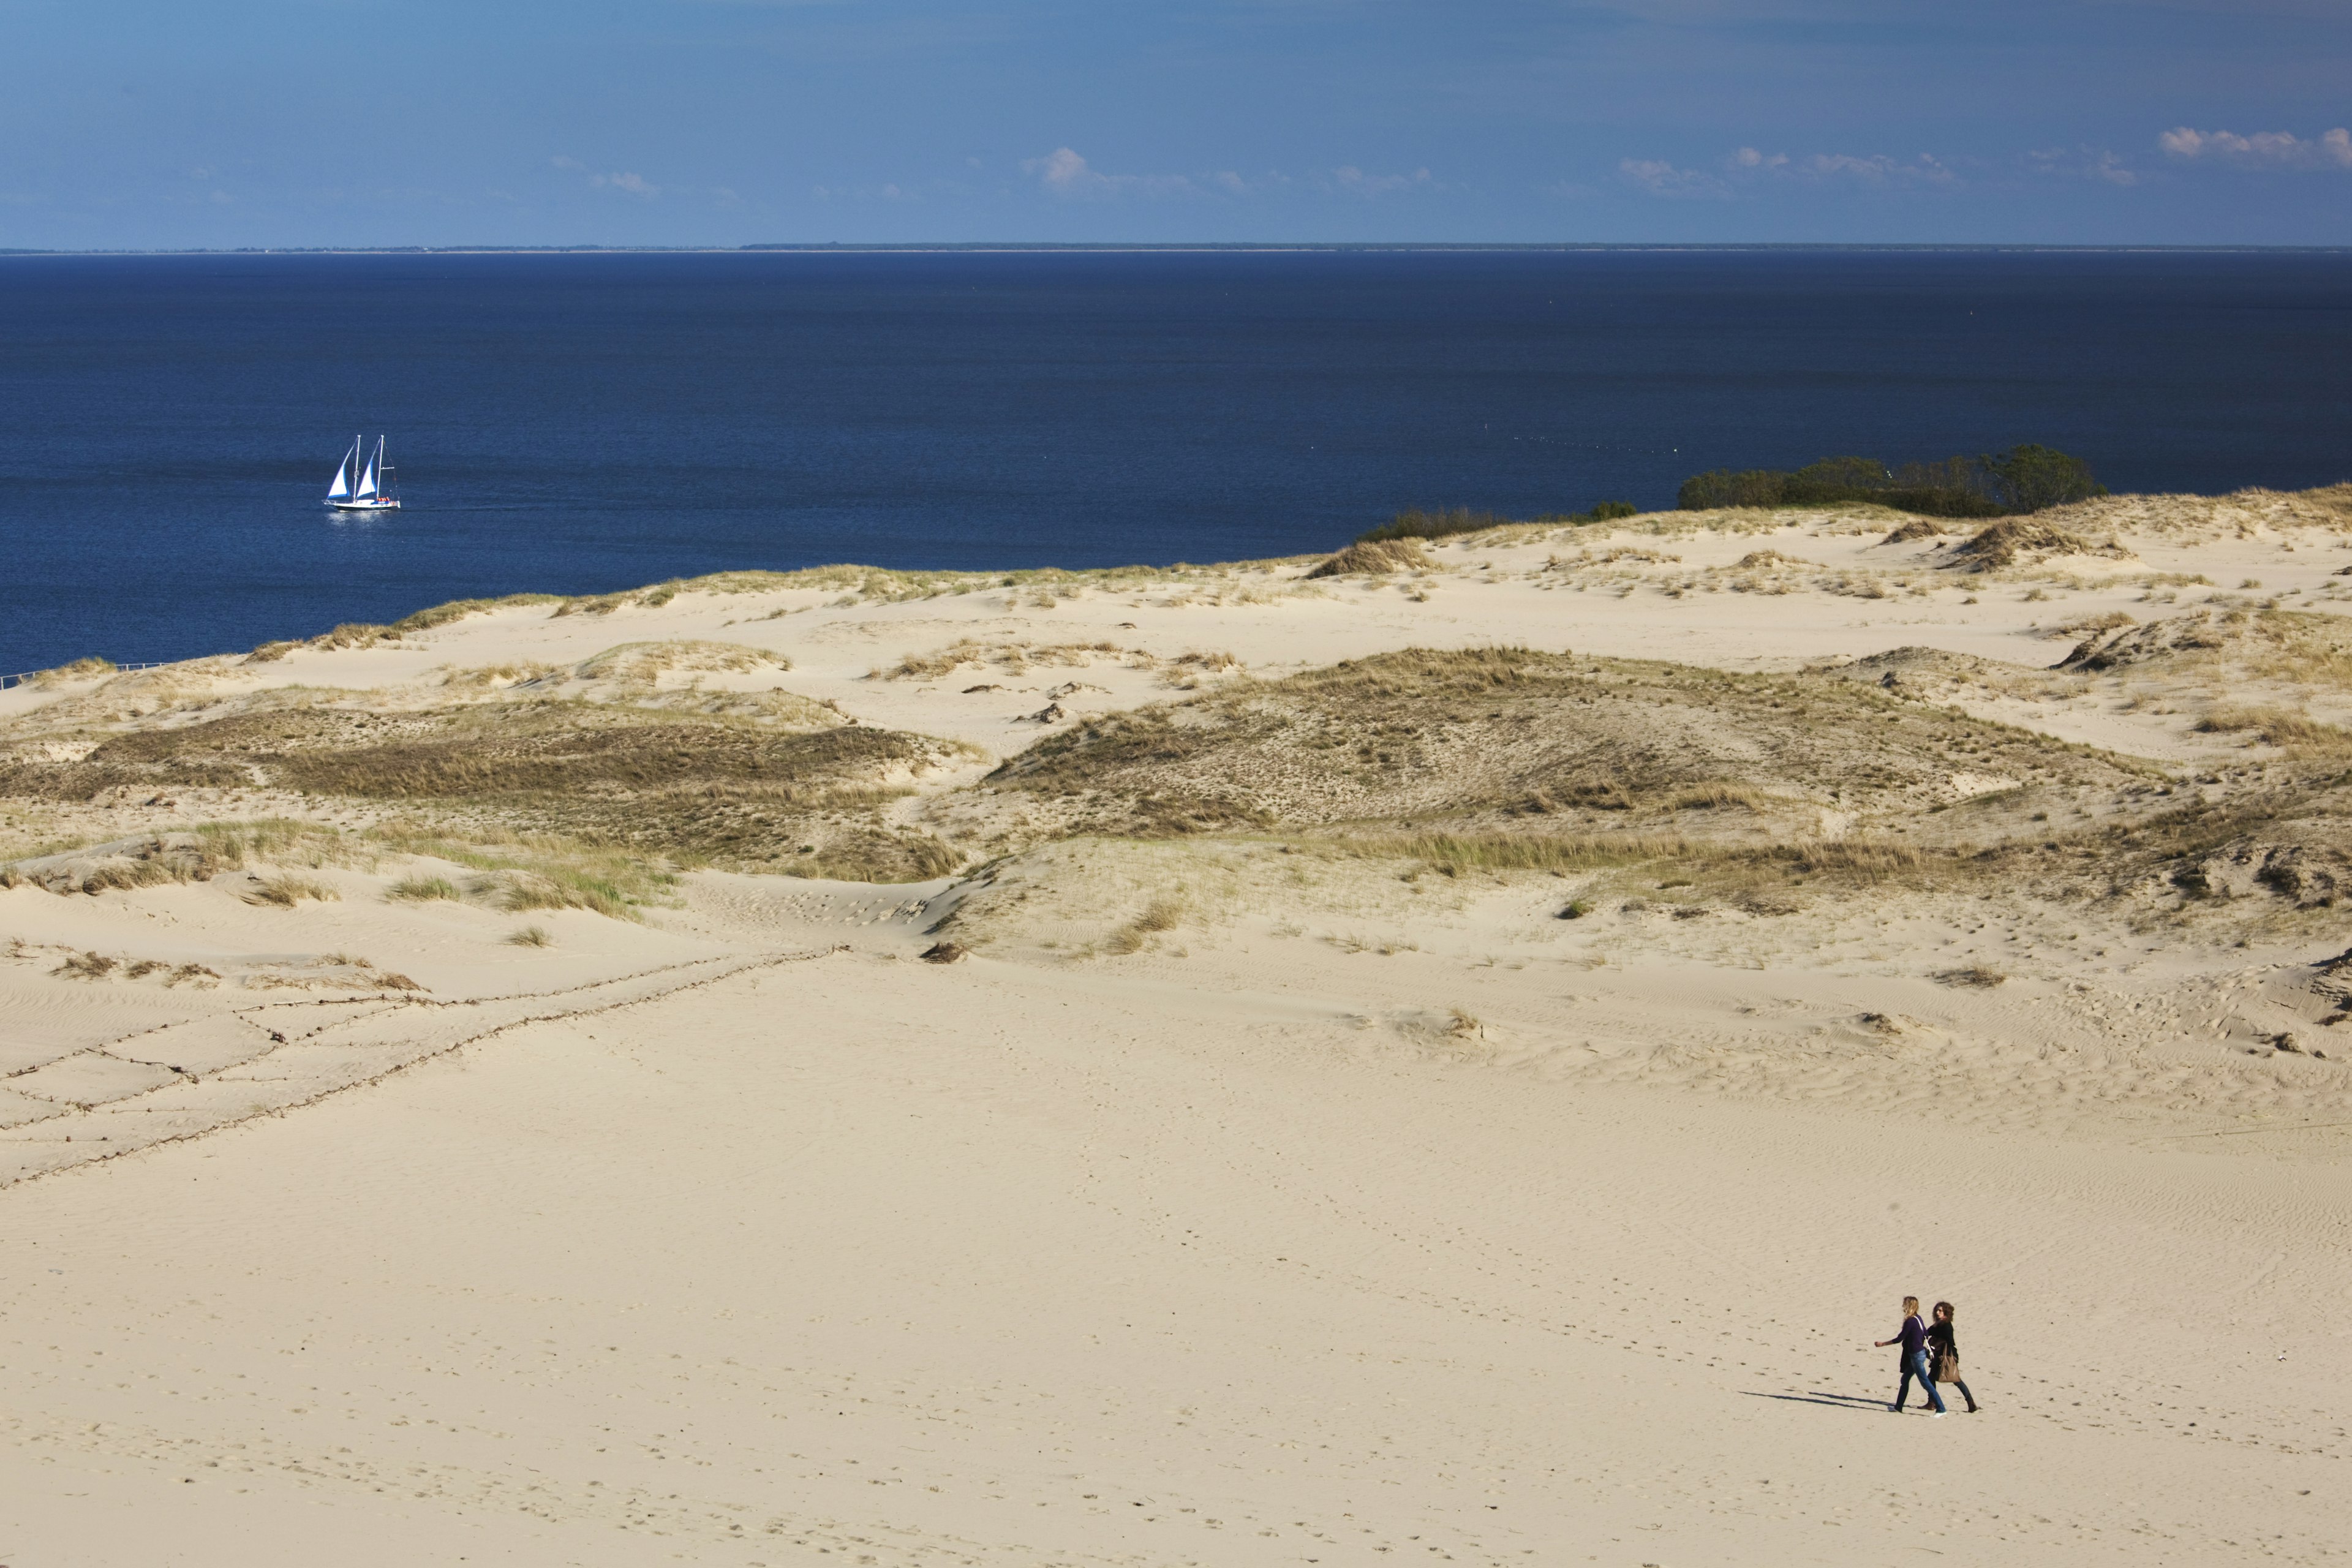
pixel 1415 523
pixel 2022 479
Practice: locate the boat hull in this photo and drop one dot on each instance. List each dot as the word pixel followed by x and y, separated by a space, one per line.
pixel 364 505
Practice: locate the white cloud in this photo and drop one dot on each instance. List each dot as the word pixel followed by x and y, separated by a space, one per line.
pixel 1351 178
pixel 1063 170
pixel 2264 149
pixel 1662 179
pixel 635 184
pixel 1746 166
pixel 2087 163
pixel 1878 169
pixel 1063 173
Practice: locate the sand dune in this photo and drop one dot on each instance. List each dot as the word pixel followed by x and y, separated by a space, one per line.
pixel 1473 1109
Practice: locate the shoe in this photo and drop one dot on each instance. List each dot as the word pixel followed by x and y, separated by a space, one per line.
pixel 1935 1414
pixel 1897 1409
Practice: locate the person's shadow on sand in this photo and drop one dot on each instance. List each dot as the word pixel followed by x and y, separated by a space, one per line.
pixel 1834 1401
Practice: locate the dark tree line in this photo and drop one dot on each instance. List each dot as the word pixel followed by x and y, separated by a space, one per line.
pixel 1995 484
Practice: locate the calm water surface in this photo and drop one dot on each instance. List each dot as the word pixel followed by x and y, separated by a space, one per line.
pixel 579 424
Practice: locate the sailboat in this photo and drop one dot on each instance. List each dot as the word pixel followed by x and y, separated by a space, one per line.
pixel 375 491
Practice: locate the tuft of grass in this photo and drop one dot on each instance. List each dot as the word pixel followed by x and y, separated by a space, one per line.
pixel 422 889
pixel 1160 915
pixel 1163 913
pixel 531 936
pixel 285 891
pixel 1375 557
pixel 1866 860
pixel 272 840
pixel 1975 976
pixel 79 670
pixel 457 609
pixel 2277 727
pixel 1706 796
pixel 541 871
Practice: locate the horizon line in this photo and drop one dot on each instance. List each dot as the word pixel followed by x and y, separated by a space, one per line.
pixel 1179 248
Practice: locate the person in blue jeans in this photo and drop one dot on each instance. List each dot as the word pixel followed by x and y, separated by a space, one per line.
pixel 1912 1338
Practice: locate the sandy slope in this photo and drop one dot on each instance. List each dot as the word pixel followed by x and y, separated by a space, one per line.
pixel 1352 1218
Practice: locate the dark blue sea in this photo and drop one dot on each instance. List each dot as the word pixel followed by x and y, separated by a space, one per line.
pixel 586 421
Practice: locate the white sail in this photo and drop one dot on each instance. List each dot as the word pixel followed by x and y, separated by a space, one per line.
pixel 367 482
pixel 343 476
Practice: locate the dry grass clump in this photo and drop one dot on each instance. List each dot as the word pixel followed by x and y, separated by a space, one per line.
pixel 286 890
pixel 349 635
pixel 102 966
pixel 1491 742
pixel 2012 539
pixel 1859 860
pixel 1163 913
pixel 1975 976
pixel 538 871
pixel 1013 658
pixel 194 854
pixel 79 670
pixel 2277 727
pixel 1185 670
pixel 643 663
pixel 531 936
pixel 2082 626
pixel 1919 528
pixel 1717 793
pixel 458 609
pixel 2234 644
pixel 485 677
pixel 665 781
pixel 85 966
pixel 1375 558
pixel 422 889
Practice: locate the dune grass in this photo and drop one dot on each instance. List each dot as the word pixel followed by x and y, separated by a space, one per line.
pixel 539 872
pixel 286 890
pixel 1165 912
pixel 422 889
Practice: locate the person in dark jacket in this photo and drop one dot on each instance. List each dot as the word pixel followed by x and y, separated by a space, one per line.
pixel 1940 1344
pixel 1912 1337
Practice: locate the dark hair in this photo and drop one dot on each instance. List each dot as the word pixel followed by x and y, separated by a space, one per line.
pixel 1945 1308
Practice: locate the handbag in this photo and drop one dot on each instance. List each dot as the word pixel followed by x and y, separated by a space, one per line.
pixel 1947 1366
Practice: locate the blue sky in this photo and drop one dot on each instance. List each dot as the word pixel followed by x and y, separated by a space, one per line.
pixel 132 123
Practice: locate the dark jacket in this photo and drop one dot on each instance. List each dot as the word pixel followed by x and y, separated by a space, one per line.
pixel 1939 1340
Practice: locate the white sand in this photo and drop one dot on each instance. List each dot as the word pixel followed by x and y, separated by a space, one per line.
pixel 744 1238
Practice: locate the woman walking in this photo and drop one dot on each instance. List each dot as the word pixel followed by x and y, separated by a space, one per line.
pixel 1944 1354
pixel 1912 1337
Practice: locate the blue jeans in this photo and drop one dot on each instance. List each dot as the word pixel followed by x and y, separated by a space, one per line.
pixel 1916 1365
